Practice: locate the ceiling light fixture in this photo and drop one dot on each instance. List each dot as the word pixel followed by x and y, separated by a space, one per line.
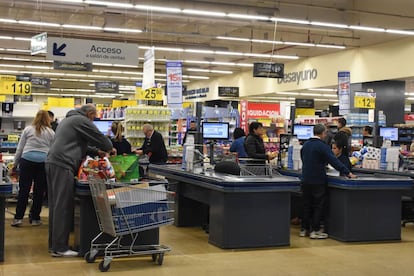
pixel 248 17
pixel 109 4
pixel 205 13
pixel 157 8
pixel 38 23
pixel 82 27
pixel 281 42
pixel 369 29
pixel 326 24
pixel 122 30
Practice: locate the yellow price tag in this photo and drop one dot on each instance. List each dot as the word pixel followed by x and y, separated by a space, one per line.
pixel 16 87
pixel 13 138
pixel 364 102
pixel 149 94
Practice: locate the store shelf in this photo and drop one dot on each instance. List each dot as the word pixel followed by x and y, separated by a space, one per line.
pixel 136 117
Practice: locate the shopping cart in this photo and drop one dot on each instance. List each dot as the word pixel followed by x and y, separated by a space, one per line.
pixel 256 167
pixel 124 210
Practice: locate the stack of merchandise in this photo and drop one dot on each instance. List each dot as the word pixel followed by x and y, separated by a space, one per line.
pixel 371 158
pixel 392 158
pixel 294 159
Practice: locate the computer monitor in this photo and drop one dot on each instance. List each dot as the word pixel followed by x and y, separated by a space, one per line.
pixel 303 132
pixel 389 133
pixel 104 126
pixel 215 131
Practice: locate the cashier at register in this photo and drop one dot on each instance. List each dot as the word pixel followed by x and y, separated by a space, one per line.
pixel 153 146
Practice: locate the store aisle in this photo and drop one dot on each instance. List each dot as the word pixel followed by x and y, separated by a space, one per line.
pixel 26 254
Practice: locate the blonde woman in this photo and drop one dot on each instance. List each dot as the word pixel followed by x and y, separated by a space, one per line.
pixel 30 157
pixel 119 142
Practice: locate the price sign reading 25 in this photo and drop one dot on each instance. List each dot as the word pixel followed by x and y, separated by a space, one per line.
pixel 16 87
pixel 151 94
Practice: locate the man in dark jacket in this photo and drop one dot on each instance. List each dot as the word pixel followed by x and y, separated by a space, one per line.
pixel 72 140
pixel 316 154
pixel 153 146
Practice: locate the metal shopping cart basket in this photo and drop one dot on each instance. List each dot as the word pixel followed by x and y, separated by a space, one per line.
pixel 256 167
pixel 124 209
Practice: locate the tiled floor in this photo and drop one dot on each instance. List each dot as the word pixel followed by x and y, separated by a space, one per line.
pixel 27 254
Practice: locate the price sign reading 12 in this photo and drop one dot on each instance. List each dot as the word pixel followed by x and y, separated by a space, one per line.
pixel 364 100
pixel 16 87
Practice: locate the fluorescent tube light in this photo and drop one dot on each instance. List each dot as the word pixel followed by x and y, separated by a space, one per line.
pixel 233 38
pixel 287 20
pixel 157 8
pixel 124 30
pixel 326 24
pixel 369 29
pixel 109 4
pixel 82 27
pixel 38 23
pixel 206 13
pixel 248 17
pixel 400 32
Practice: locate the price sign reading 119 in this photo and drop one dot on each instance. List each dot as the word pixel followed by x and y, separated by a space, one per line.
pixel 16 87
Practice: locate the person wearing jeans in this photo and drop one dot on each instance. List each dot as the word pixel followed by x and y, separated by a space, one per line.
pixel 30 158
pixel 316 154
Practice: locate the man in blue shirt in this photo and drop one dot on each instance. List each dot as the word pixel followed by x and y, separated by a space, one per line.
pixel 316 154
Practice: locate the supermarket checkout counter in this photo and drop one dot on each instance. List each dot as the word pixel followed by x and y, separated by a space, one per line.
pixel 87 227
pixel 367 208
pixel 5 192
pixel 244 211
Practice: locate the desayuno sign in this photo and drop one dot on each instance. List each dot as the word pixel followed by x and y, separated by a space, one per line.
pixel 300 76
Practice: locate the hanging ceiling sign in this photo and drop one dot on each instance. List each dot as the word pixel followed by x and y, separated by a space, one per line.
pixel 72 66
pixel 228 91
pixel 40 82
pixel 67 49
pixel 15 87
pixel 107 87
pixel 268 70
pixel 38 44
pixel 364 100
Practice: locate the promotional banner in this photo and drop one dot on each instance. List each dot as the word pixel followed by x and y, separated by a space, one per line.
pixel 344 92
pixel 244 123
pixel 174 83
pixel 148 81
pixel 262 110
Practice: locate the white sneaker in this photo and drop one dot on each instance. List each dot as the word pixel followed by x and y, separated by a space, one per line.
pixel 17 222
pixel 36 222
pixel 318 235
pixel 303 233
pixel 67 253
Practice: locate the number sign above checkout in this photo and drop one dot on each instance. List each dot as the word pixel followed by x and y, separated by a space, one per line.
pixel 364 100
pixel 10 86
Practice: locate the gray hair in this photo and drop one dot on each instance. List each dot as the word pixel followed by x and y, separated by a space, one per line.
pixel 86 108
pixel 148 127
pixel 319 129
